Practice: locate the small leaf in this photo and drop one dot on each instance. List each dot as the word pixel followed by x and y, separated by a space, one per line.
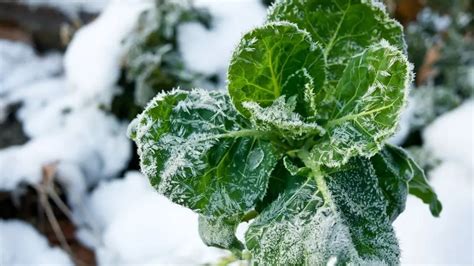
pixel 343 28
pixel 195 150
pixel 342 215
pixel 398 174
pixel 294 169
pixel 368 100
pixel 419 187
pixel 276 60
pixel 217 232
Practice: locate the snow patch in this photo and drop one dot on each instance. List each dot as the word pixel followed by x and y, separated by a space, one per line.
pixel 21 244
pixel 450 137
pixel 62 115
pixel 87 138
pixel 19 65
pixel 93 58
pixel 136 225
pixel 448 239
pixel 209 51
pixel 445 240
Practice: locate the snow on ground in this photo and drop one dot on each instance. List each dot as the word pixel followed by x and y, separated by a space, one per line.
pixel 63 127
pixel 21 244
pixel 61 113
pixel 20 66
pixel 450 137
pixel 209 51
pixel 93 58
pixel 132 224
pixel 449 239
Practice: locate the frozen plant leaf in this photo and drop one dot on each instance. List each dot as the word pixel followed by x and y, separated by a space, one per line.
pixel 419 187
pixel 342 215
pixel 194 149
pixel 343 28
pixel 393 171
pixel 368 100
pixel 276 60
pixel 399 174
pixel 219 233
pixel 294 169
pixel 153 61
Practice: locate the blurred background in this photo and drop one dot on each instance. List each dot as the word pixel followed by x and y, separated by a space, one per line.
pixel 74 73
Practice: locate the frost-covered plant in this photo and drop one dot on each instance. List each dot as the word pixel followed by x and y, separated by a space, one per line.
pixel 298 143
pixel 449 39
pixel 153 60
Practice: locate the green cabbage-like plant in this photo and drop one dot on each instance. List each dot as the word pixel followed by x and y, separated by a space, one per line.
pixel 297 145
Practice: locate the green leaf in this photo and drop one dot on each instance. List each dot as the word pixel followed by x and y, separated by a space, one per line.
pixel 399 174
pixel 343 28
pixel 368 100
pixel 218 232
pixel 276 60
pixel 195 150
pixel 393 171
pixel 293 168
pixel 283 179
pixel 419 187
pixel 342 215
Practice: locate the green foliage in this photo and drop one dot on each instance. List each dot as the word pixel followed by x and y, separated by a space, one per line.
pixel 452 46
pixel 343 28
pixel 153 62
pixel 299 142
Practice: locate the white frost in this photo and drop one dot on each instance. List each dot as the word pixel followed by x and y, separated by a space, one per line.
pixel 21 244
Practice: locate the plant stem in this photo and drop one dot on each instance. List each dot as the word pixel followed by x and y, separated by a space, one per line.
pixel 318 176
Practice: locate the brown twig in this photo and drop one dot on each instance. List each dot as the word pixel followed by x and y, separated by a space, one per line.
pixel 45 191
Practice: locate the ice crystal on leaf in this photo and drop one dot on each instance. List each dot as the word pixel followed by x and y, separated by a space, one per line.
pixel 280 117
pixel 298 145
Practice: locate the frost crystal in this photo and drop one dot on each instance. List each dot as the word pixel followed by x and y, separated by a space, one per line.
pixel 280 117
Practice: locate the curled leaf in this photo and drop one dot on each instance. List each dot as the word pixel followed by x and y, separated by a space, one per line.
pixel 368 100
pixel 276 60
